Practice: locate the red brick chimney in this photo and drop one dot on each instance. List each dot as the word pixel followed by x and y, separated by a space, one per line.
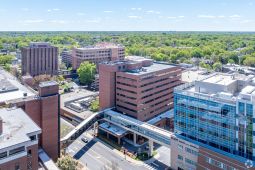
pixel 1 125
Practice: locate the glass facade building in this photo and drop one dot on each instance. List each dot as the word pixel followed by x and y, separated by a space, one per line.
pixel 224 122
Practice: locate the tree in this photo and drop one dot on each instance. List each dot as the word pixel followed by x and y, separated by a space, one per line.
pixel 249 60
pixel 67 163
pixel 94 107
pixel 86 72
pixel 217 66
pixel 7 67
pixel 203 65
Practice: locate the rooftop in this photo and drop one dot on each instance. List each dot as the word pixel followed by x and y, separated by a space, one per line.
pixel 103 45
pixel 151 69
pixel 11 88
pixel 193 74
pixel 48 83
pixel 228 87
pixel 116 130
pixel 16 127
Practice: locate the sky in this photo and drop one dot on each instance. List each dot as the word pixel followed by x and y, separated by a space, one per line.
pixel 127 15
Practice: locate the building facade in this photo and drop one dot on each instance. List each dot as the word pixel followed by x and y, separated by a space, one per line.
pixel 99 53
pixel 42 107
pixel 66 57
pixel 138 87
pixel 18 140
pixel 217 114
pixel 39 58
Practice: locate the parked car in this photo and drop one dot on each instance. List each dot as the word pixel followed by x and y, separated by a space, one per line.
pixel 85 140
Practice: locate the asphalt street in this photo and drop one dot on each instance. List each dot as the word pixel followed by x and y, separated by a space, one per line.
pixel 96 155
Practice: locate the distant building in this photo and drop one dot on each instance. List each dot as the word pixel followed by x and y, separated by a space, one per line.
pixel 100 53
pixel 19 138
pixel 216 115
pixel 138 87
pixel 39 58
pixel 42 107
pixel 66 57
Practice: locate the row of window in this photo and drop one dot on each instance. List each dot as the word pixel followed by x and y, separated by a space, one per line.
pixel 218 164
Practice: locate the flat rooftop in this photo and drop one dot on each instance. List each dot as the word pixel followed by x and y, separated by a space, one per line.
pixel 75 96
pixel 223 86
pixel 191 75
pixel 100 46
pixel 11 88
pixel 17 125
pixel 150 69
pixel 113 129
pixel 48 83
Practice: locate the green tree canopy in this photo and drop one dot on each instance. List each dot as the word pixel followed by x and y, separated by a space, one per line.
pixel 86 72
pixel 67 163
pixel 217 66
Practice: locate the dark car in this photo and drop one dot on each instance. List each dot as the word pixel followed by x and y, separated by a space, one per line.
pixel 85 140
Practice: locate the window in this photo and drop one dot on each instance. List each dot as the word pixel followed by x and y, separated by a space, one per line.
pixel 180 147
pixel 208 160
pixel 190 161
pixel 17 150
pixel 3 155
pixel 29 152
pixel 191 151
pixel 180 157
pixel 32 138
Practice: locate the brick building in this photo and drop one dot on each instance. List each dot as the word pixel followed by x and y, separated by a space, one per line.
pixel 99 53
pixel 138 87
pixel 42 107
pixel 39 58
pixel 18 140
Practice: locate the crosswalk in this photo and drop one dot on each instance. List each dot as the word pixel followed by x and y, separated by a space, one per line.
pixel 149 167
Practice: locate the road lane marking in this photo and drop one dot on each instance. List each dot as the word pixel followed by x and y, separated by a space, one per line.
pixel 155 164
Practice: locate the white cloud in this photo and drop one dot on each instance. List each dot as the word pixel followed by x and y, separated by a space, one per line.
pixel 54 9
pixel 206 16
pixel 107 11
pixel 246 21
pixel 235 16
pixel 176 17
pixel 93 20
pixel 58 21
pixel 152 12
pixel 138 9
pixel 30 21
pixel 171 17
pixel 134 17
pixel 221 16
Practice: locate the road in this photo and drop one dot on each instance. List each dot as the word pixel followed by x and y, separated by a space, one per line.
pixel 163 161
pixel 96 155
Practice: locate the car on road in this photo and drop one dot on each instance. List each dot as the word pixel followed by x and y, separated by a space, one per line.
pixel 85 140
